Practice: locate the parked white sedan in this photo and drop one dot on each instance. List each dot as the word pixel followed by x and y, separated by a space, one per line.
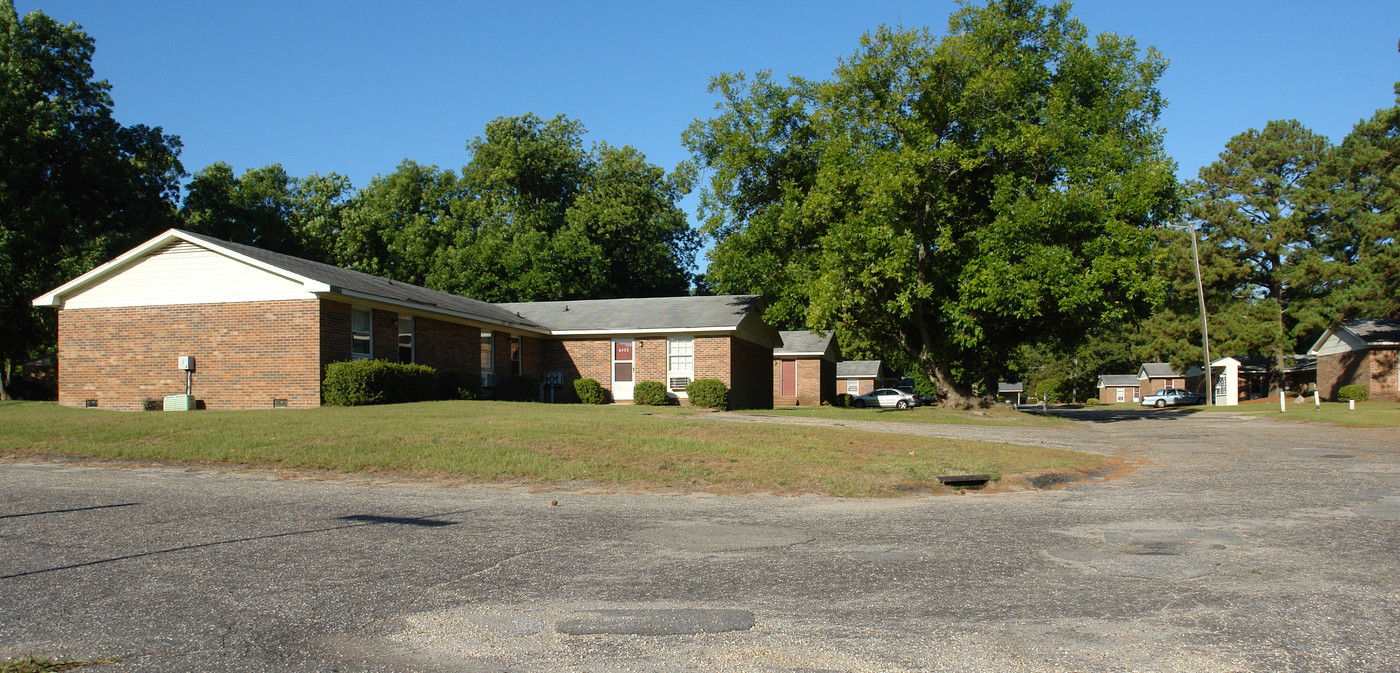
pixel 887 397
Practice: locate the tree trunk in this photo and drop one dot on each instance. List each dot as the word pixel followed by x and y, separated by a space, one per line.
pixel 950 393
pixel 5 380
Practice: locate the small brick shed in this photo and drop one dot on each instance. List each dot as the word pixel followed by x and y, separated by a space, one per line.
pixel 1360 352
pixel 804 369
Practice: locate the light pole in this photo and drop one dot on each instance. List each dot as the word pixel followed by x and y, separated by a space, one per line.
pixel 1205 332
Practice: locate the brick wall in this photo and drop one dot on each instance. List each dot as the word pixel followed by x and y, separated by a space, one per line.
pixel 750 379
pixel 1109 394
pixel 246 354
pixel 1341 369
pixel 1385 368
pixel 579 359
pixel 815 378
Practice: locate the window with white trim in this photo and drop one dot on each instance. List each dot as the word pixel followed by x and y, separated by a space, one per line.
pixel 406 353
pixel 361 334
pixel 680 363
pixel 852 387
pixel 488 360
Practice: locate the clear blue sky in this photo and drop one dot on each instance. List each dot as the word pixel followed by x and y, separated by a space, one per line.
pixel 355 87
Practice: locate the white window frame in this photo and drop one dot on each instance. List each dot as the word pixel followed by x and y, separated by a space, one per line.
pixel 680 351
pixel 488 373
pixel 357 336
pixel 852 386
pixel 412 334
pixel 1122 396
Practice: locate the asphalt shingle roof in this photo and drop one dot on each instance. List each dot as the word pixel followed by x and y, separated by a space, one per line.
pixel 1377 331
pixel 725 311
pixel 1160 370
pixel 802 341
pixel 1112 380
pixel 858 369
pixel 375 286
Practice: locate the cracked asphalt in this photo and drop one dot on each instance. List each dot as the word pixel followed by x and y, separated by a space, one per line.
pixel 1237 544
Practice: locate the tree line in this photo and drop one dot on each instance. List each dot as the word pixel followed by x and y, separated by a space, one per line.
pixel 970 206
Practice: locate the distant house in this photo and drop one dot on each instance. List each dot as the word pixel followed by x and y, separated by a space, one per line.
pixel 804 369
pixel 1154 377
pixel 858 377
pixel 1010 392
pixel 1360 352
pixel 262 326
pixel 1119 388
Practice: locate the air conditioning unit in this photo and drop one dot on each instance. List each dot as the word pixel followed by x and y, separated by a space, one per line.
pixel 678 384
pixel 488 379
pixel 179 402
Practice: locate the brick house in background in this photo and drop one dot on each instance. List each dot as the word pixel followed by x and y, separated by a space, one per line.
pixel 263 325
pixel 1119 388
pixel 804 369
pixel 1360 352
pixel 858 377
pixel 1154 377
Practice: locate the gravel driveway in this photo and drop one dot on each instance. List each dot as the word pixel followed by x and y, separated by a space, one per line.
pixel 1237 545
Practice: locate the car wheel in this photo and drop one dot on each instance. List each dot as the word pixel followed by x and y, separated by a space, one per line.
pixel 860 404
pixel 1161 403
pixel 902 404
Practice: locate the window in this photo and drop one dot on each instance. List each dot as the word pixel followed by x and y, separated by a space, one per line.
pixel 515 362
pixel 361 341
pixel 1120 394
pixel 852 387
pixel 680 362
pixel 488 360
pixel 405 338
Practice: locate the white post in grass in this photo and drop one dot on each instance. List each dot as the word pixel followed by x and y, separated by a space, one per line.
pixel 1351 405
pixel 1281 403
pixel 1317 402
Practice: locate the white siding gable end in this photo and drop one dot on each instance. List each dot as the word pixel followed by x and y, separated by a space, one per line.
pixel 183 273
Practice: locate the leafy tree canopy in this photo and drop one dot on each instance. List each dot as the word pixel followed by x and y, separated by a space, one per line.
pixel 267 208
pixel 76 187
pixel 949 198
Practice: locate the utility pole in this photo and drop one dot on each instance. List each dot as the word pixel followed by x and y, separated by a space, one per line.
pixel 1205 332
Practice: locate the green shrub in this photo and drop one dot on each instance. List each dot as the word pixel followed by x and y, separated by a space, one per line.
pixel 521 388
pixel 153 405
pixel 1353 392
pixel 1092 400
pixel 708 393
pixel 457 384
pixel 589 391
pixel 650 393
pixel 845 400
pixel 360 382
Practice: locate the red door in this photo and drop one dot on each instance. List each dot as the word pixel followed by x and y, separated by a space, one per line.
pixel 789 376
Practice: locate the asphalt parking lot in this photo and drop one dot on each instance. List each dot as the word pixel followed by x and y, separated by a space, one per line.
pixel 1236 544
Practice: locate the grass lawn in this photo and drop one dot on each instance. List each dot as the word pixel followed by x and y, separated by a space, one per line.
pixel 1366 415
pixel 998 414
pixel 36 665
pixel 535 443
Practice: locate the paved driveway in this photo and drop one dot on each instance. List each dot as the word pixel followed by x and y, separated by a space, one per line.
pixel 1238 544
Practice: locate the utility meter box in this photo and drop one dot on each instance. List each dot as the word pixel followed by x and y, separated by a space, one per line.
pixel 553 378
pixel 187 363
pixel 179 402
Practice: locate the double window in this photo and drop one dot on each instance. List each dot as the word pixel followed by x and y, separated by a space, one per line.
pixel 680 362
pixel 852 387
pixel 361 334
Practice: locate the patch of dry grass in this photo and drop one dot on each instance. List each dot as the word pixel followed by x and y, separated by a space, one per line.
pixel 493 441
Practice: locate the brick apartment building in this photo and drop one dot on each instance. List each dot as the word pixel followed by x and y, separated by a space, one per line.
pixel 804 369
pixel 1360 352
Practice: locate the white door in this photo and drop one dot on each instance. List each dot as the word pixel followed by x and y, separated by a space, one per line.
pixel 622 374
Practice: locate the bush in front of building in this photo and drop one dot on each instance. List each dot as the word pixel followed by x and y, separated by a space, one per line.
pixel 710 393
pixel 360 382
pixel 518 388
pixel 1353 392
pixel 650 393
pixel 589 391
pixel 1092 400
pixel 457 384
pixel 845 400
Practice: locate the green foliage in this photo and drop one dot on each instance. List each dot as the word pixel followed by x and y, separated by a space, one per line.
pixel 845 400
pixel 1092 400
pixel 360 382
pixel 267 208
pixel 457 384
pixel 710 393
pixel 1353 392
pixel 1050 389
pixel 589 391
pixel 650 393
pixel 518 388
pixel 149 404
pixel 76 187
pixel 947 198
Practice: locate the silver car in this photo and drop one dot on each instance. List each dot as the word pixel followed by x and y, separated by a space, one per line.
pixel 887 397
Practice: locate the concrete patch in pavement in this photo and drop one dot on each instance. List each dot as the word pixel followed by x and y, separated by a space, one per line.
pixel 656 622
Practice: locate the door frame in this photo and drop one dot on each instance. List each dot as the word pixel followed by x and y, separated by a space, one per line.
pixel 621 390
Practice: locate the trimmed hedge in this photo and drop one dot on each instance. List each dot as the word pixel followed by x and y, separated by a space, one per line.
pixel 589 391
pixel 650 393
pixel 1092 400
pixel 522 388
pixel 1353 392
pixel 845 400
pixel 360 382
pixel 457 384
pixel 710 393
